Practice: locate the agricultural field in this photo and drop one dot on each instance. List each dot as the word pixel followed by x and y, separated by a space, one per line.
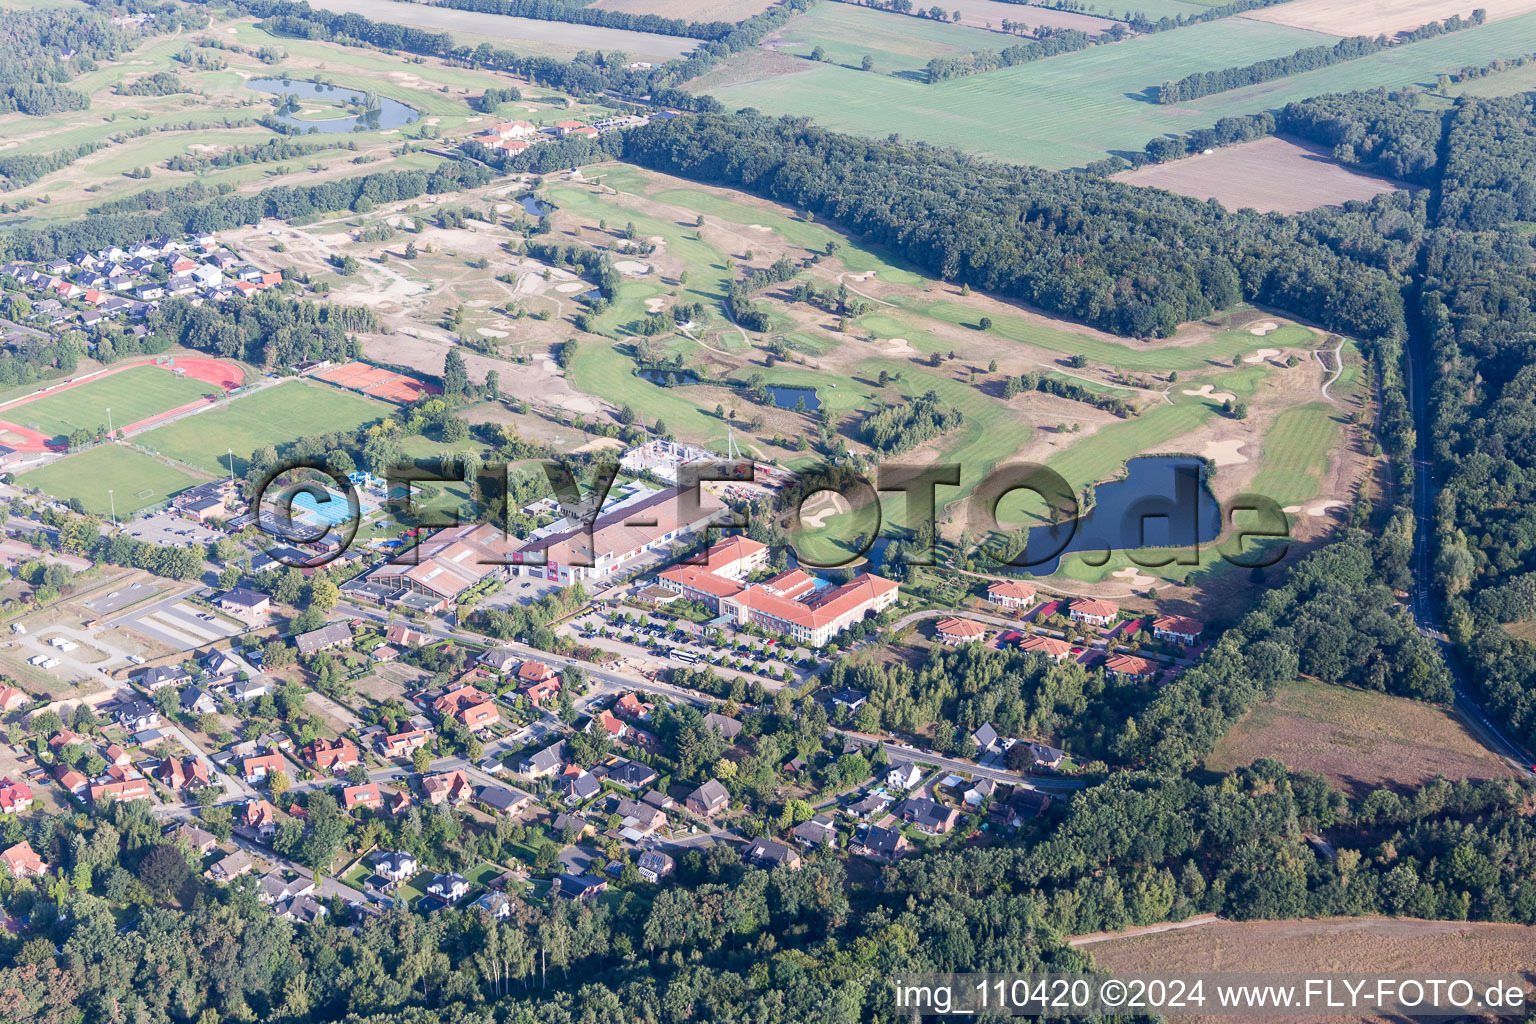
pixel 690 10
pixel 551 38
pixel 110 476
pixel 273 415
pixel 1359 739
pixel 897 44
pixel 1271 175
pixel 1075 108
pixel 990 14
pixel 1378 17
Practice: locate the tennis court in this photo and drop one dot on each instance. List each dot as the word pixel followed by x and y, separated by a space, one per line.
pixel 377 382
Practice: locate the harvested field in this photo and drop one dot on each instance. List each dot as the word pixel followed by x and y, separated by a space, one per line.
pixel 990 14
pixel 1357 738
pixel 689 10
pixel 1374 17
pixel 1348 945
pixel 1269 175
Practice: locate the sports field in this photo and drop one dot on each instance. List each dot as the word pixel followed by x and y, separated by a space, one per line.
pixel 135 479
pixel 1075 108
pixel 134 394
pixel 275 415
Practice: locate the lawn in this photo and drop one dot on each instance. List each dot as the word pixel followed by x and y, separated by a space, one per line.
pixel 1296 449
pixel 131 395
pixel 274 415
pixel 136 479
pixel 847 34
pixel 1068 110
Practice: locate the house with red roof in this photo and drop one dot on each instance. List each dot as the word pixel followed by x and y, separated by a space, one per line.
pixel 1177 629
pixel 610 724
pixel 366 796
pixel 1049 646
pixel 11 698
pixel 333 756
pixel 1093 612
pixel 258 767
pixel 954 631
pixel 15 797
pixel 1128 667
pixel 22 861
pixel 453 787
pixel 1011 594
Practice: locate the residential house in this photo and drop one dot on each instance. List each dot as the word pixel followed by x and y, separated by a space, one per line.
pixel 817 832
pixel 245 690
pixel 609 723
pixel 654 865
pixel 469 705
pixel 632 707
pixel 728 728
pixel 303 909
pixel 631 774
pixel 366 796
pixel 73 782
pixel 275 886
pixel 197 701
pixel 579 787
pixel 640 817
pixel 23 861
pixel 405 636
pixel 260 817
pixel 958 631
pixel 135 715
pixel 868 806
pixel 850 698
pixel 538 682
pixel 499 659
pixel 333 756
pixel 1011 594
pixel 398 802
pixel 116 755
pixel 11 698
pixel 450 887
pixel 497 904
pixel 542 763
pixel 579 826
pixel 335 634
pixel 503 799
pixel 708 800
pixel 579 887
pixel 15 797
pixel 127 789
pixel 1047 646
pixel 232 866
pixel 928 815
pixel 259 766
pixel 986 737
pixel 396 865
pixel 903 776
pixel 1128 667
pixel 770 853
pixel 1093 612
pixel 980 792
pixel 197 840
pixel 402 744
pixel 1177 629
pixel 453 787
pixel 885 844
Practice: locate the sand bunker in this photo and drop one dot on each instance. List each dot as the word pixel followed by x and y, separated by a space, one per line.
pixel 634 267
pixel 655 305
pixel 865 276
pixel 1134 576
pixel 490 332
pixel 569 287
pixel 1207 391
pixel 1261 355
pixel 758 227
pixel 1323 506
pixel 1226 453
pixel 1264 327
pixel 897 344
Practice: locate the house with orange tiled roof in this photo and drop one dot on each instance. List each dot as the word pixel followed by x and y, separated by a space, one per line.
pixel 1049 646
pixel 11 698
pixel 260 766
pixel 1011 594
pixel 1093 612
pixel 366 796
pixel 332 755
pixel 610 724
pixel 954 631
pixel 453 787
pixel 1177 629
pixel 1129 667
pixel 22 861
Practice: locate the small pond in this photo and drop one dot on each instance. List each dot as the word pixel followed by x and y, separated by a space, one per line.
pixel 388 114
pixel 789 396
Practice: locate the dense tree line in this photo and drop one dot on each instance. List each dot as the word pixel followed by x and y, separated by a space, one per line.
pixel 1229 131
pixel 596 264
pixel 556 10
pixel 268 329
pixel 267 152
pixel 1064 388
pixel 21 170
pixel 1049 44
pixel 495 96
pixel 161 83
pixel 1334 617
pixel 1308 58
pixel 198 208
pixel 41 51
pixel 1379 131
pixel 899 428
pixel 1130 261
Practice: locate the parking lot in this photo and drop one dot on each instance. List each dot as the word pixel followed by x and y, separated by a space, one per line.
pixel 168 528
pixel 180 625
pixel 660 641
pixel 110 602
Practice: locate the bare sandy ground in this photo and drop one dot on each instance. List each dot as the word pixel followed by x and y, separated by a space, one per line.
pixel 1373 17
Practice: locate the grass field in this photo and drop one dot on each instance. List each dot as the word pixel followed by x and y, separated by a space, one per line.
pixel 275 416
pixel 132 395
pixel 1296 448
pixel 1074 108
pixel 897 45
pixel 1357 738
pixel 137 480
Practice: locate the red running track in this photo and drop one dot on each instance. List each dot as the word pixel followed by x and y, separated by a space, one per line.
pixel 222 373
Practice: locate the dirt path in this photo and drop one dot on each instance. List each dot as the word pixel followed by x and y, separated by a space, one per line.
pixel 1338 369
pixel 1147 929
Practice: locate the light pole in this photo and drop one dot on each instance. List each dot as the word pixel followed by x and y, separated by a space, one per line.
pixel 113 500
pixel 109 422
pixel 231 452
